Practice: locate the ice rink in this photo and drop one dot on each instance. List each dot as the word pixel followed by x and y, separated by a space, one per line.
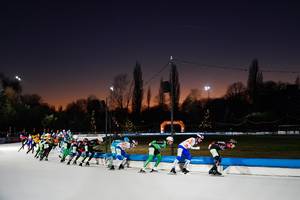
pixel 23 177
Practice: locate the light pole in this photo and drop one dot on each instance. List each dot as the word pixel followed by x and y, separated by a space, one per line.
pixel 172 103
pixel 111 88
pixel 207 88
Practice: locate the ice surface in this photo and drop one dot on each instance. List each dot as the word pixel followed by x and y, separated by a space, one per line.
pixel 22 177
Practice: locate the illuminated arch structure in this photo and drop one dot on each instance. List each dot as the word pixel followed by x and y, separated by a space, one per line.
pixel 164 123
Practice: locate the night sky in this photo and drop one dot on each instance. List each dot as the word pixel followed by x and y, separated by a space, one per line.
pixel 65 50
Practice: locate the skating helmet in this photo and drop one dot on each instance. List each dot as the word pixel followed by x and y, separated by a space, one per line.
pixel 85 140
pixel 199 137
pixel 134 143
pixel 75 137
pixel 170 139
pixel 231 143
pixel 100 139
pixel 126 139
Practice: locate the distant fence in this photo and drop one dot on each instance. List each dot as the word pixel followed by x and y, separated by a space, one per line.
pixel 82 134
pixel 2 140
pixel 9 139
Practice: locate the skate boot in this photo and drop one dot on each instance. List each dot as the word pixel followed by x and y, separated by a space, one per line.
pixel 87 164
pixel 68 163
pixel 46 159
pixel 74 162
pixel 212 172
pixel 142 171
pixel 121 167
pixel 153 170
pixel 218 173
pixel 80 164
pixel 112 167
pixel 185 171
pixel 173 171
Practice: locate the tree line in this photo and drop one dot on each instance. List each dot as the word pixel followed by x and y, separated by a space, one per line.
pixel 258 105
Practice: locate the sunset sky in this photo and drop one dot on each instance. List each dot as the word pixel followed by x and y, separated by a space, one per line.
pixel 65 50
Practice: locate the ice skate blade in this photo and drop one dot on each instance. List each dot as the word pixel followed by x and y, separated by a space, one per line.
pixel 216 175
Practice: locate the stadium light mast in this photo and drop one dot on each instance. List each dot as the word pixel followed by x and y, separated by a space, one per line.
pixel 111 89
pixel 207 89
pixel 172 103
pixel 18 78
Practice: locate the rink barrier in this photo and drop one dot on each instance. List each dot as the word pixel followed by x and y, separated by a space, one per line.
pixel 226 162
pixel 239 166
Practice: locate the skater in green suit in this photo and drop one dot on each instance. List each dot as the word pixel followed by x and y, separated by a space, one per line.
pixel 154 151
pixel 67 148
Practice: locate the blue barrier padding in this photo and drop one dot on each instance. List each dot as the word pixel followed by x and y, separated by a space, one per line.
pixel 250 162
pixel 262 162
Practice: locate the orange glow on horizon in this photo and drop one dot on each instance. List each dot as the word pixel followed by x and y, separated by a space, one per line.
pixel 64 101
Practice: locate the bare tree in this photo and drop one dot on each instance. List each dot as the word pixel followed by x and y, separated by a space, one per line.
pixel 120 85
pixel 148 98
pixel 161 95
pixel 191 101
pixel 255 79
pixel 128 95
pixel 195 94
pixel 1 82
pixel 137 96
pixel 260 78
pixel 174 81
pixel 297 81
pixel 10 83
pixel 31 100
pixel 235 89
